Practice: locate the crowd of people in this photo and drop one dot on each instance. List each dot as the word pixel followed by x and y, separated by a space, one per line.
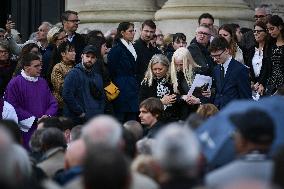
pixel 59 129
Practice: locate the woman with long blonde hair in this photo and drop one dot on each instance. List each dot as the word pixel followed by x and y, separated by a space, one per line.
pixel 182 66
pixel 182 76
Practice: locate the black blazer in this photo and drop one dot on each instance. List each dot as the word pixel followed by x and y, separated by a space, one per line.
pixel 265 68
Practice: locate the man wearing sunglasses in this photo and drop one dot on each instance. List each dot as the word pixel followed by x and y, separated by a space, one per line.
pixel 230 77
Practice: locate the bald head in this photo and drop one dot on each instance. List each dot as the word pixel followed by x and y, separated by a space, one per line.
pixel 103 129
pixel 135 128
pixel 75 154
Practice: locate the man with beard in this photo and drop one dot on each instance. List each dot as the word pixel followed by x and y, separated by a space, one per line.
pixel 83 92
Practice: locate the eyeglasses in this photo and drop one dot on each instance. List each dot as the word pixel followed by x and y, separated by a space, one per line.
pixel 74 21
pixel 217 55
pixel 258 16
pixel 203 33
pixel 258 31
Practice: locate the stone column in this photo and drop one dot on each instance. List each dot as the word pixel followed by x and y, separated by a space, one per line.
pixel 182 15
pixel 106 14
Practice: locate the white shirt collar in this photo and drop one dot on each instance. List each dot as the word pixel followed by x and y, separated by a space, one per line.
pixel 226 64
pixel 28 78
pixel 70 38
pixel 130 47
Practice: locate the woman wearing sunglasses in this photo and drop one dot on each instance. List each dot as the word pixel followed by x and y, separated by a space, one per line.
pixel 258 58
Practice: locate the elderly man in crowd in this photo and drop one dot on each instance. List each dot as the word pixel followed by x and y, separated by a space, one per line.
pixel 177 153
pixel 40 38
pixel 199 50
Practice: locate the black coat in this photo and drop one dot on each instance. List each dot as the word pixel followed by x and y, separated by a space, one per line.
pixel 151 132
pixel 265 68
pixel 144 55
pixel 123 72
pixel 202 57
pixel 79 44
pixel 184 109
pixel 171 113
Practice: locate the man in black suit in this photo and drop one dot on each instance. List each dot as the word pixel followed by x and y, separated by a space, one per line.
pixel 70 23
pixel 144 48
pixel 230 77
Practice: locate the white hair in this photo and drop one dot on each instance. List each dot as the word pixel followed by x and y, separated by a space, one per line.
pixel 47 24
pixel 176 149
pixel 21 162
pixel 187 68
pixel 14 160
pixel 102 129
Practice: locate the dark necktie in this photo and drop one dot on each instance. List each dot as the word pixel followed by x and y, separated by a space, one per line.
pixel 222 73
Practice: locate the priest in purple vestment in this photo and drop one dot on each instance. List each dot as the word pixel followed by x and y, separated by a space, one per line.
pixel 30 96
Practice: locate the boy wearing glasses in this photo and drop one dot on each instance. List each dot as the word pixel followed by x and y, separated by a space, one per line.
pixel 230 77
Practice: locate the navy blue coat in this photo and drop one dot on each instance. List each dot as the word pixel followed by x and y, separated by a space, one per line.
pixel 123 72
pixel 236 84
pixel 77 94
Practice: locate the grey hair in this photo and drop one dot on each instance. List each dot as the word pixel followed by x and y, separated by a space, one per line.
pixel 47 24
pixel 157 58
pixel 22 161
pixel 265 7
pixel 102 129
pixel 145 145
pixel 177 149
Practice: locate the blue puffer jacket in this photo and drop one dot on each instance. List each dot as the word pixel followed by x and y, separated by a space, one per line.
pixel 78 94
